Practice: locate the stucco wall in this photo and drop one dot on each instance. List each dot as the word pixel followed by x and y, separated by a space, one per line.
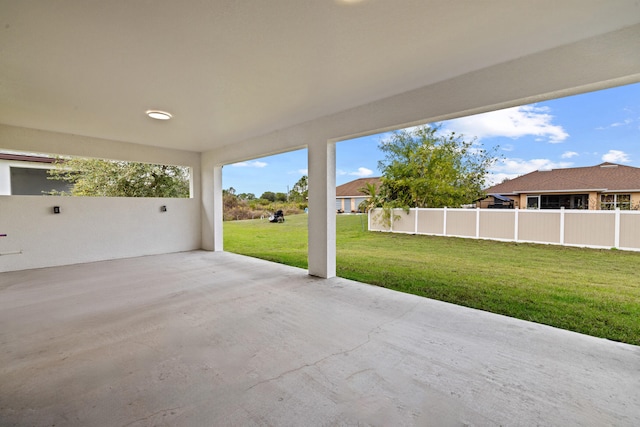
pixel 94 228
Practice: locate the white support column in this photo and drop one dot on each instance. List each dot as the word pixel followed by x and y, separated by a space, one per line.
pixel 322 212
pixel 477 223
pixel 211 204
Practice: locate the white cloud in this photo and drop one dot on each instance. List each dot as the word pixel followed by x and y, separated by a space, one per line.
pixel 520 166
pixel 512 168
pixel 569 154
pixel 254 164
pixel 616 156
pixel 362 172
pixel 616 124
pixel 507 147
pixel 513 123
pixel 303 171
pixel 622 123
pixel 497 178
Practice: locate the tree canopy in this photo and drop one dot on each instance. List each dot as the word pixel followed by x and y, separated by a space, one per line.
pixel 269 195
pixel 108 178
pixel 424 168
pixel 300 190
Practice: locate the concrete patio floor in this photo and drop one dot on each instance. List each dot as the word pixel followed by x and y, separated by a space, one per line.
pixel 216 339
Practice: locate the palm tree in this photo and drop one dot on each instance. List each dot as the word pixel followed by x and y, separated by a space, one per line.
pixel 373 201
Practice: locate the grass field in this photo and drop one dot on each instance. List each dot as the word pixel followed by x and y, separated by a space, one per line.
pixel 595 292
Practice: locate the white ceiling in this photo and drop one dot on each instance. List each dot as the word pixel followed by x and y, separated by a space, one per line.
pixel 229 70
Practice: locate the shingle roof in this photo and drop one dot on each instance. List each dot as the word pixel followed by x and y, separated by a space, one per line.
pixel 602 177
pixel 352 189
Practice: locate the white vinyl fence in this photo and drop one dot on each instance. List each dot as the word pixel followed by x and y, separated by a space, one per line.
pixel 594 229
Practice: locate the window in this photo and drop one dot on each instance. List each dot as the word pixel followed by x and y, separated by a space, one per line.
pixel 34 182
pixel 612 201
pixel 567 201
pixel 550 202
pixel 533 202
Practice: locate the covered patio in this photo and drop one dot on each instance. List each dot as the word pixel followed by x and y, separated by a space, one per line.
pixel 212 338
pixel 127 311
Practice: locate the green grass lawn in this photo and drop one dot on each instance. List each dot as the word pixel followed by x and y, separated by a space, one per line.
pixel 595 292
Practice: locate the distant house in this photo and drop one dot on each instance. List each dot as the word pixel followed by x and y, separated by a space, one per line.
pixel 349 196
pixel 26 175
pixel 604 186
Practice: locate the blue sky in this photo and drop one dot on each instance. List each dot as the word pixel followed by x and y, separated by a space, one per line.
pixel 582 130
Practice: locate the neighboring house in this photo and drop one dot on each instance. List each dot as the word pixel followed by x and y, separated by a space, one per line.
pixel 26 175
pixel 349 196
pixel 604 186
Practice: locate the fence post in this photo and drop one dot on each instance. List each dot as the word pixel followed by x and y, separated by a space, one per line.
pixel 444 221
pixel 515 225
pixel 415 225
pixel 562 225
pixel 391 220
pixel 616 241
pixel 477 223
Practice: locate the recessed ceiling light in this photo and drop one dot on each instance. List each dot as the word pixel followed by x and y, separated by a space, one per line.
pixel 159 115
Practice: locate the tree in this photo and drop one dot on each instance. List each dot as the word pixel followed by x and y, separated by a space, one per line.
pixel 373 200
pixel 269 195
pixel 229 199
pixel 108 178
pixel 281 197
pixel 300 190
pixel 425 169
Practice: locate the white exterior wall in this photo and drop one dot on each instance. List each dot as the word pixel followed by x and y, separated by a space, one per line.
pixel 94 228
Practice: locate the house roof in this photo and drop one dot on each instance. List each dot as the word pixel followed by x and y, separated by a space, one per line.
pixel 603 177
pixel 352 188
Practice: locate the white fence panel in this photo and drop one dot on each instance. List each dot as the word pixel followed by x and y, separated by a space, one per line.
pixel 499 224
pixel 590 228
pixel 539 226
pixel 629 230
pixel 431 221
pixel 461 222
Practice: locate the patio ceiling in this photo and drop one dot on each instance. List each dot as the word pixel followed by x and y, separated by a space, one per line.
pixel 233 70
